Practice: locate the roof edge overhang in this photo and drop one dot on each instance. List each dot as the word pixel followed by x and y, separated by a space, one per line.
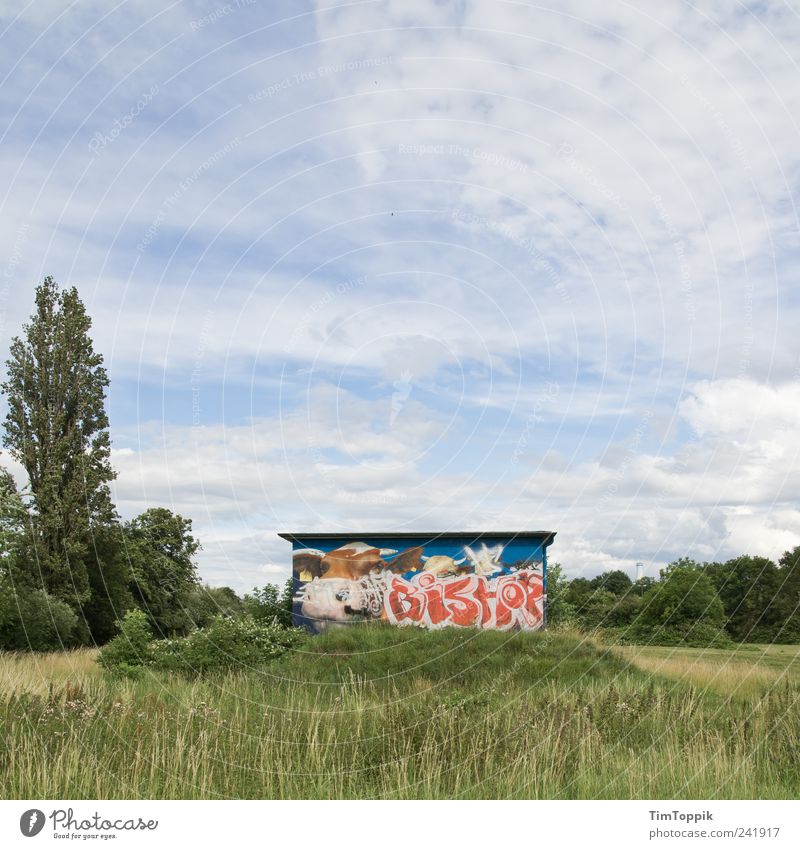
pixel 293 536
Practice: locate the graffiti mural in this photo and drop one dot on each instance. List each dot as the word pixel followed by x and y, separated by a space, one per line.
pixel 438 583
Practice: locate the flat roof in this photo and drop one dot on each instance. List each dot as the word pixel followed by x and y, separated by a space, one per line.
pixel 354 535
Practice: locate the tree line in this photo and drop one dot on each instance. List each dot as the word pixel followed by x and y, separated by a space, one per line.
pixel 70 567
pixel 744 599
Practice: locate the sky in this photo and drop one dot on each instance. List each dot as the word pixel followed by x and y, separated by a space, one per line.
pixel 409 265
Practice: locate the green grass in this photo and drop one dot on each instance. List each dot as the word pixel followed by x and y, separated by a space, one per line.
pixel 379 712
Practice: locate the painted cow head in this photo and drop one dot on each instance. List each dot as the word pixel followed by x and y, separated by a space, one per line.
pixel 346 585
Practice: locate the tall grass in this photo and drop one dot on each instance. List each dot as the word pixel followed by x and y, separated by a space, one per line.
pixel 39 672
pixel 380 712
pixel 743 672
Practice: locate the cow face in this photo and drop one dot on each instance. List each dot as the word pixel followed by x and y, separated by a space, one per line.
pixel 348 587
pixel 333 601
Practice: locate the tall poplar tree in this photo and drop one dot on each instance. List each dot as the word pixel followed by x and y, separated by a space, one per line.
pixel 57 428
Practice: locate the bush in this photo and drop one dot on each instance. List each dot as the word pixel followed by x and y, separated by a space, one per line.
pixel 32 619
pixel 560 613
pixel 131 649
pixel 271 604
pixel 698 635
pixel 227 642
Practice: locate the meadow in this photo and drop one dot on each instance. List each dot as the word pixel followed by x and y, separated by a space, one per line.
pixel 377 712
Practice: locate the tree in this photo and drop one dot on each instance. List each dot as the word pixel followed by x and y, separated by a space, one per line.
pixel 205 603
pixel 683 607
pixel 642 585
pixel 131 648
pixel 749 588
pixel 160 550
pixel 787 605
pixel 13 516
pixel 578 590
pixel 29 618
pixel 57 428
pixel 109 582
pixel 616 582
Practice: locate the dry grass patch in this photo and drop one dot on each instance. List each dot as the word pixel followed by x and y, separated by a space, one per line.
pixel 38 673
pixel 738 672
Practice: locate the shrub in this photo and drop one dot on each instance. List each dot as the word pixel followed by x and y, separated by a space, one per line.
pixel 271 603
pixel 32 619
pixel 560 613
pixel 131 649
pixel 227 642
pixel 697 635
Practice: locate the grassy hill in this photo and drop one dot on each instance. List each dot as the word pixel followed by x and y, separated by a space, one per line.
pixel 399 713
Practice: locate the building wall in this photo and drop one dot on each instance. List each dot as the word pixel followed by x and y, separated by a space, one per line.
pixel 494 582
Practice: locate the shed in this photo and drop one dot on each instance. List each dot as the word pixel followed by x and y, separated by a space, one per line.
pixel 468 579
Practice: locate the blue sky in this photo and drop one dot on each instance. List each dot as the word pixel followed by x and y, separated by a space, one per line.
pixel 424 266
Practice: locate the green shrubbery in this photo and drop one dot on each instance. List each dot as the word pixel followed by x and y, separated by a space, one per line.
pixel 270 603
pixel 226 643
pixel 33 619
pixel 683 608
pixel 131 650
pixel 693 636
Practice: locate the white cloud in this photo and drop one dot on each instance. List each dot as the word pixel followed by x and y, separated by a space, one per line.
pixel 712 498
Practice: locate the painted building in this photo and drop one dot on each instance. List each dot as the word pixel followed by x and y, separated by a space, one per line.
pixel 490 579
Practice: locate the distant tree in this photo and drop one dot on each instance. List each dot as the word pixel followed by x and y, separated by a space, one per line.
pixel 578 589
pixel 682 563
pixel 683 607
pixel 131 649
pixel 749 588
pixel 596 608
pixel 160 549
pixel 787 605
pixel 271 603
pixel 604 601
pixel 205 602
pixel 616 582
pixel 57 428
